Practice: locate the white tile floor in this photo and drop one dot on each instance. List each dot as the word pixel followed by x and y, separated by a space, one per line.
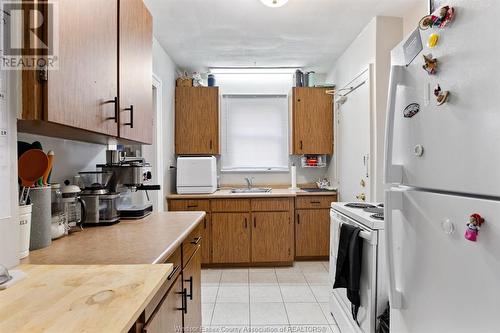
pixel 288 299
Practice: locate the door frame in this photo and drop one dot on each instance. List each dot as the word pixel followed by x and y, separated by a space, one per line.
pixel 157 105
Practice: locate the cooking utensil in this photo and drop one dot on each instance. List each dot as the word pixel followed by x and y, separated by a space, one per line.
pixel 50 159
pixel 32 164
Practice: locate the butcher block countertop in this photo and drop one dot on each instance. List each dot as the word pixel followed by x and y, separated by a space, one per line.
pixel 82 298
pixel 226 194
pixel 150 240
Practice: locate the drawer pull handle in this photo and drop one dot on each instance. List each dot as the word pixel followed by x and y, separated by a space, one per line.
pixel 246 223
pixel 315 202
pixel 255 222
pixel 183 308
pixel 172 274
pixel 298 218
pixel 196 240
pixel 190 280
pixel 192 206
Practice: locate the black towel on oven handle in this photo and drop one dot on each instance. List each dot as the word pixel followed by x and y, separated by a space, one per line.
pixel 348 270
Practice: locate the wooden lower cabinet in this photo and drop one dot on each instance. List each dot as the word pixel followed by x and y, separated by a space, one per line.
pixel 192 287
pixel 230 238
pixel 312 233
pixel 272 237
pixel 167 317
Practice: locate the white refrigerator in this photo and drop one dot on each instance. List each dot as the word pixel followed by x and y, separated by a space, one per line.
pixel 442 165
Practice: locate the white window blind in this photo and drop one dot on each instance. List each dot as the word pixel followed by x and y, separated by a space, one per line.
pixel 254 132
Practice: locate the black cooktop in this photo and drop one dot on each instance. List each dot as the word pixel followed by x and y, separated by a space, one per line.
pixel 359 205
pixel 376 210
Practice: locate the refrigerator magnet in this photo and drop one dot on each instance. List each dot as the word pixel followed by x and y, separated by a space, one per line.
pixel 433 40
pixel 439 19
pixel 411 110
pixel 473 226
pixel 430 64
pixel 441 96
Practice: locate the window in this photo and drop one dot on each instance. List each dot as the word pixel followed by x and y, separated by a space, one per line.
pixel 254 121
pixel 255 132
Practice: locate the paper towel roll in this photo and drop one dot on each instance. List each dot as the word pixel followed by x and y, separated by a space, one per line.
pixel 293 174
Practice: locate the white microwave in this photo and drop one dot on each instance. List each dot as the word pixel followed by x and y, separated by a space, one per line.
pixel 196 175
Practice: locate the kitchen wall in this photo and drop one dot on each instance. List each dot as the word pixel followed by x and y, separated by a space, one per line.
pixel 373 45
pixel 71 157
pixel 165 69
pixel 263 84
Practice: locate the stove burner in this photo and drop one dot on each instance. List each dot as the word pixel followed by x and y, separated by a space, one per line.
pixel 378 216
pixel 376 210
pixel 359 205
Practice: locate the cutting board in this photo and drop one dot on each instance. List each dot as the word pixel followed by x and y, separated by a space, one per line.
pixel 79 298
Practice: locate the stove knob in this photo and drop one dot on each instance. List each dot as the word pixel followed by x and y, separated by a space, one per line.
pixel 148 175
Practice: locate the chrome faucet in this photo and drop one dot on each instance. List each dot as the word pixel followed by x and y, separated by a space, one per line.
pixel 249 182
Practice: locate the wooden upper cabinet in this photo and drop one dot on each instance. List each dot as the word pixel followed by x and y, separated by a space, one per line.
pixel 135 71
pixel 197 120
pixel 312 121
pixel 79 93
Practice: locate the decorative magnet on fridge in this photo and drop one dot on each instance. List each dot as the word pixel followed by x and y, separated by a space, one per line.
pixel 411 110
pixel 441 96
pixel 433 40
pixel 439 19
pixel 430 64
pixel 475 221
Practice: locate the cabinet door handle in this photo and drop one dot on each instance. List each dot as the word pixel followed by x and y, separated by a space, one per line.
pixel 255 222
pixel 204 223
pixel 196 240
pixel 298 218
pixel 210 144
pixel 246 223
pixel 183 308
pixel 172 274
pixel 131 123
pixel 114 101
pixel 301 145
pixel 190 280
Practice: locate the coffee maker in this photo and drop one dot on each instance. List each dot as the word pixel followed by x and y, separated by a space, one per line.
pixel 129 175
pixel 101 203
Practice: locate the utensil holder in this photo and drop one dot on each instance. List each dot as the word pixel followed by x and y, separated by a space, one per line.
pixel 24 230
pixel 41 233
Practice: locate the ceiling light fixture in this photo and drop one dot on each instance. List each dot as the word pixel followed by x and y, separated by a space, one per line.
pixel 274 3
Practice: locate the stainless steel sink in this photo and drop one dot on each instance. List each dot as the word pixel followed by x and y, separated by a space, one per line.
pixel 251 190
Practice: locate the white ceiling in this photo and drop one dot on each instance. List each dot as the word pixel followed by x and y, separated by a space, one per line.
pixel 199 34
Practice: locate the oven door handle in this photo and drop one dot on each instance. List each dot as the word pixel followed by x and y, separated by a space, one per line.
pixel 369 236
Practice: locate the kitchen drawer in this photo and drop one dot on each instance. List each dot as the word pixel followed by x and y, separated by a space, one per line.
pixel 191 243
pixel 270 205
pixel 187 205
pixel 314 201
pixel 230 205
pixel 175 260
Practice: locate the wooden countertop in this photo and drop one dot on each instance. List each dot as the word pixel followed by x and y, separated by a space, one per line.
pixel 147 241
pixel 226 193
pixel 69 298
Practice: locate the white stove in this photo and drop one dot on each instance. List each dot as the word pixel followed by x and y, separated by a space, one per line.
pixel 373 291
pixel 360 214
